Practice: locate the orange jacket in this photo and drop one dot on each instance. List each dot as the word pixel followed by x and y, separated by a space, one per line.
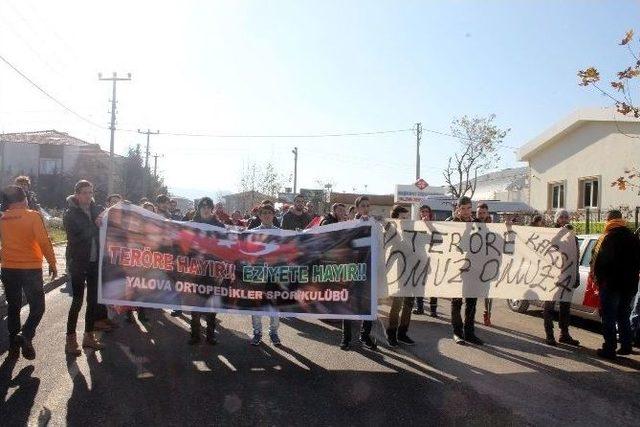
pixel 24 240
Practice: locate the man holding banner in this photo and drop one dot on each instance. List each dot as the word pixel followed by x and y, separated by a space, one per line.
pixel 466 333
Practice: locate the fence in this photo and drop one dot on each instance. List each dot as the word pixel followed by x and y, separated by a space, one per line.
pixel 594 221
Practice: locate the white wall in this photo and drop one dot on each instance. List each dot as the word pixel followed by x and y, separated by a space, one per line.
pixel 21 158
pixel 593 149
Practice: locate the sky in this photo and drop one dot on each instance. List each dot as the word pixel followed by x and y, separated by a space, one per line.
pixel 301 68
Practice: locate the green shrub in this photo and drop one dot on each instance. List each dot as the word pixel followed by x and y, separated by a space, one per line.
pixel 595 227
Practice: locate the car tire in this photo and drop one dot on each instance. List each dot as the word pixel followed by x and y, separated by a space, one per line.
pixel 518 305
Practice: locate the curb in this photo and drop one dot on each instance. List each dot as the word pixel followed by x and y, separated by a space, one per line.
pixel 48 287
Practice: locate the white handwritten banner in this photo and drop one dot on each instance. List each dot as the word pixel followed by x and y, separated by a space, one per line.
pixel 456 259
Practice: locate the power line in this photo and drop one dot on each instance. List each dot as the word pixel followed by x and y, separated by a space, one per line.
pixel 316 135
pixel 45 93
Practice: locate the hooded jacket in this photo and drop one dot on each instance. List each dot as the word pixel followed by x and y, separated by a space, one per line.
pixel 81 231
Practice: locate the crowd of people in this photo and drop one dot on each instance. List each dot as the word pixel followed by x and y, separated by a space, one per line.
pixel 615 269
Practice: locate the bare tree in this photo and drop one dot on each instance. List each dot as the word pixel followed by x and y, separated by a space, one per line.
pixel 623 100
pixel 479 140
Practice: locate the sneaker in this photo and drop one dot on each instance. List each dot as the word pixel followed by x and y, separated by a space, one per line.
pixel 417 311
pixel 275 339
pixel 392 341
pixel 551 341
pixel 257 339
pixel 28 352
pixel 368 342
pixel 71 347
pixel 194 339
pixel 625 351
pixel 566 339
pixel 404 339
pixel 90 341
pixel 487 319
pixel 345 346
pixel 176 313
pixel 473 339
pixel 459 340
pixel 102 325
pixel 609 355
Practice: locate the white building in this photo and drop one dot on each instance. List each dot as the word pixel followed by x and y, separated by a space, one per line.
pixel 573 164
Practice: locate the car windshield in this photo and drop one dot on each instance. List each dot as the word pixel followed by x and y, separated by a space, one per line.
pixel 586 256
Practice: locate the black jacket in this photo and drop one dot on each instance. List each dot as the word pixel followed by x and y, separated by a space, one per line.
pixel 255 222
pixel 291 221
pixel 211 221
pixel 81 230
pixel 617 263
pixel 328 219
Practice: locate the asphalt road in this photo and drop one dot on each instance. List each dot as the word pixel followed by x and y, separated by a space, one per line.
pixel 148 375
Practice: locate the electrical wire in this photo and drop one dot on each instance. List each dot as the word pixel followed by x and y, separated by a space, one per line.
pixel 51 97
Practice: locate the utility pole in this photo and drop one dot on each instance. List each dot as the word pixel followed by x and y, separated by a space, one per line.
pixel 114 78
pixel 418 138
pixel 155 164
pixel 146 160
pixel 295 170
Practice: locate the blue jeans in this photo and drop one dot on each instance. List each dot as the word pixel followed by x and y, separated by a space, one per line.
pixel 16 281
pixel 256 321
pixel 616 308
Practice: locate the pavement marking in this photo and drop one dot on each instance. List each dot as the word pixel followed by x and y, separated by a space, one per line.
pixel 201 366
pixel 226 362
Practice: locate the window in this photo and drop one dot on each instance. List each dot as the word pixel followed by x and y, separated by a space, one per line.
pixel 556 191
pixel 586 256
pixel 589 193
pixel 50 166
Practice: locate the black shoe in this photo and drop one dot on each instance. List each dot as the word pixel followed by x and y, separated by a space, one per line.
pixel 28 352
pixel 459 340
pixel 566 339
pixel 195 339
pixel 473 339
pixel 609 355
pixel 368 342
pixel 625 351
pixel 143 317
pixel 404 339
pixel 434 314
pixel 130 317
pixel 211 340
pixel 418 311
pixel 345 346
pixel 392 341
pixel 551 341
pixel 176 313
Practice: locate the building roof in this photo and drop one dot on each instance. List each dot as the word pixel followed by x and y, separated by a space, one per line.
pixel 43 137
pixel 568 124
pixel 374 199
pixel 510 179
pixel 255 194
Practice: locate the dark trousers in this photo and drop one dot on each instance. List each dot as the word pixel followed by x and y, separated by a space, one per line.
pixel 210 318
pixel 469 316
pixel 564 313
pixel 433 304
pixel 15 281
pixel 83 276
pixel 404 317
pixel 347 326
pixel 616 308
